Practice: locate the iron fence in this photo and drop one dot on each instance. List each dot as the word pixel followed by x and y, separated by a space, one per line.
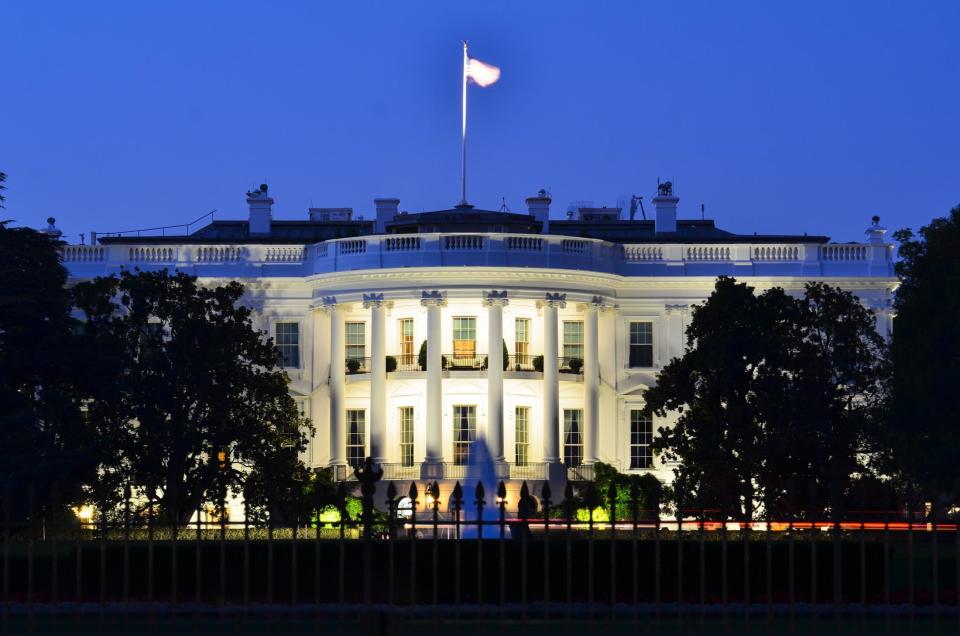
pixel 416 550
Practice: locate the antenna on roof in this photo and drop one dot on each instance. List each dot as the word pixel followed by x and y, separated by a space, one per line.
pixel 634 201
pixel 503 205
pixel 702 211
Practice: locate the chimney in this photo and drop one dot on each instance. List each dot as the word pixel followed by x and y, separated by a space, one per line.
pixel 260 203
pixel 876 231
pixel 665 205
pixel 539 208
pixel 386 211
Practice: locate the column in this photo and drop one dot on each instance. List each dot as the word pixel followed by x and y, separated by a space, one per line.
pixel 676 333
pixel 338 436
pixel 591 380
pixel 495 302
pixel 378 377
pixel 551 378
pixel 433 462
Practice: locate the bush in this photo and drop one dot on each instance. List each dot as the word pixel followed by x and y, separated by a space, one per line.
pixel 538 364
pixel 506 356
pixel 353 365
pixel 391 364
pixel 422 356
pixel 575 365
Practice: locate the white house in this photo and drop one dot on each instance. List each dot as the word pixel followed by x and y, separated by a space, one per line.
pixel 587 310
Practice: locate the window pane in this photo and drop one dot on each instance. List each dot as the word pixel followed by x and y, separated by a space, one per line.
pixel 522 436
pixel 464 433
pixel 356 436
pixel 288 342
pixel 355 340
pixel 464 337
pixel 522 339
pixel 573 339
pixel 641 440
pixel 406 435
pixel 406 341
pixel 573 437
pixel 641 344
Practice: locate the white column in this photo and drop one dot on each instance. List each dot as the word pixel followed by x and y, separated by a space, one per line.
pixel 378 377
pixel 433 301
pixel 338 437
pixel 591 380
pixel 551 378
pixel 495 301
pixel 676 333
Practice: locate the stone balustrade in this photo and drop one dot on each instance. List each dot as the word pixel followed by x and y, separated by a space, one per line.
pixel 489 250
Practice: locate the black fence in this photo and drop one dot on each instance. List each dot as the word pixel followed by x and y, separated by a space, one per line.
pixel 417 550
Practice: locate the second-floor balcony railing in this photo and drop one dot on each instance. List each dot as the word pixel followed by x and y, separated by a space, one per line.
pixel 462 362
pixel 570 365
pixel 357 365
pixel 524 362
pixel 405 362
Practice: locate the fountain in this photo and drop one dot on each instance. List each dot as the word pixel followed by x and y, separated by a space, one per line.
pixel 481 470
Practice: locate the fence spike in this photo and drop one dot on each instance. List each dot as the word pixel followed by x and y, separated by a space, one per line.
pixel 391 491
pixel 545 492
pixel 502 491
pixel 412 493
pixel 480 493
pixel 457 495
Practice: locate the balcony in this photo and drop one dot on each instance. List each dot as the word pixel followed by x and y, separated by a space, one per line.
pixel 404 362
pixel 530 471
pixel 357 365
pixel 461 362
pixel 572 365
pixel 397 471
pixel 525 362
pixel 580 473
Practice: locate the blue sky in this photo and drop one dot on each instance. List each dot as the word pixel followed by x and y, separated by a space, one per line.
pixel 779 117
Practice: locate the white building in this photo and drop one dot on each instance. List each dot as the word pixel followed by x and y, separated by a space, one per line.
pixel 587 310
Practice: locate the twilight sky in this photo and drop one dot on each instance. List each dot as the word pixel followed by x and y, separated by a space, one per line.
pixel 781 118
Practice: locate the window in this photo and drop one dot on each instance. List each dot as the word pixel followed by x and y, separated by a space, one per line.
pixel 288 342
pixel 406 435
pixel 356 436
pixel 573 437
pixel 406 342
pixel 641 344
pixel 356 348
pixel 573 340
pixel 522 436
pixel 521 340
pixel 464 433
pixel 641 440
pixel 464 337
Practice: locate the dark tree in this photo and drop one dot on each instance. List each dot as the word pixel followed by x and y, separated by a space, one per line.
pixel 44 446
pixel 922 434
pixel 192 399
pixel 775 398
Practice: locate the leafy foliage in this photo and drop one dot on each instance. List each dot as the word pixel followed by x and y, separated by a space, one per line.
pixel 191 401
pixel 922 433
pixel 45 448
pixel 776 398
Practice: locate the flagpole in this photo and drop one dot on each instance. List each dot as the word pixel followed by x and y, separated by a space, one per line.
pixel 463 131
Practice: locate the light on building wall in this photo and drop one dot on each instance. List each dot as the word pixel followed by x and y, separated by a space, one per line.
pixel 84 513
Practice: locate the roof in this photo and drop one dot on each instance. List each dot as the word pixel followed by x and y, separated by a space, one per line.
pixel 463 220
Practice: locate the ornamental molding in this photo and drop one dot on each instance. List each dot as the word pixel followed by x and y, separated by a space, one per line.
pixel 329 304
pixel 373 300
pixel 495 298
pixel 676 309
pixel 555 300
pixel 433 298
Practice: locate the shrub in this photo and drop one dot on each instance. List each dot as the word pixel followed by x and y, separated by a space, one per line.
pixel 353 365
pixel 538 364
pixel 422 356
pixel 391 364
pixel 575 365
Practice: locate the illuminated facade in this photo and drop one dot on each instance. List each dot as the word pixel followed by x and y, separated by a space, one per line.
pixel 408 336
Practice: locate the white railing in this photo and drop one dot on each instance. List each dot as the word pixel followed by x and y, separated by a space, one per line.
pixel 402 244
pixel 353 246
pixel 284 254
pixel 708 253
pixel 632 253
pixel 463 242
pixel 776 253
pixel 846 252
pixel 219 254
pixel 524 243
pixel 152 254
pixel 498 250
pixel 83 253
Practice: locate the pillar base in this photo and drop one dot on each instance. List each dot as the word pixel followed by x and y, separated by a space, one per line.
pixel 557 478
